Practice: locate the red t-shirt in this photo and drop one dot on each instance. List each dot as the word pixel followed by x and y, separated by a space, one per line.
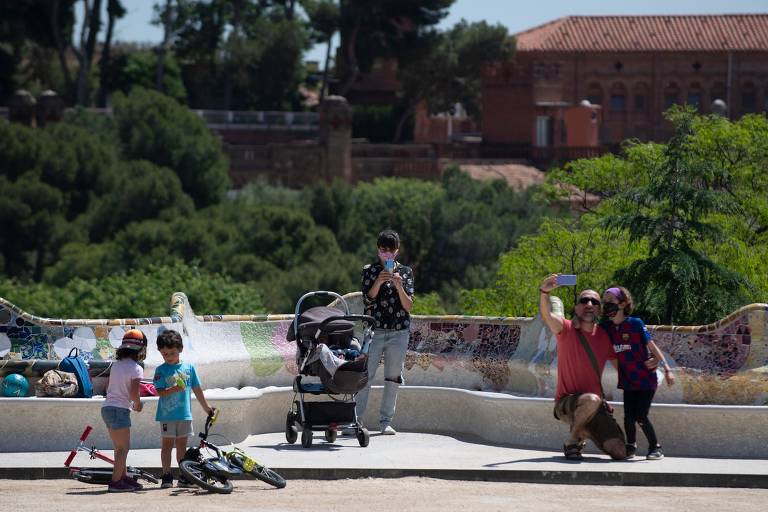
pixel 575 374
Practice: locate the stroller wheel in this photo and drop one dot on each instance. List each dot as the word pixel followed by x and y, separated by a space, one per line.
pixel 330 435
pixel 363 437
pixel 291 432
pixel 306 437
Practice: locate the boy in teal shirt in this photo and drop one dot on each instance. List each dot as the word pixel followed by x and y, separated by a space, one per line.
pixel 173 381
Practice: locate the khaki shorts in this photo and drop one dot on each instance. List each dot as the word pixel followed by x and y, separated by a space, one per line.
pixel 176 429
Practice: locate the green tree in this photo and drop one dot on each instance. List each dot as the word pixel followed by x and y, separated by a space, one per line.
pixel 153 127
pixel 569 247
pixel 143 192
pixel 324 17
pixel 676 282
pixel 372 29
pixel 407 206
pixel 445 68
pixel 139 69
pixel 139 293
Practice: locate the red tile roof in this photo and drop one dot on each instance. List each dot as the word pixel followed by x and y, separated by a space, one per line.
pixel 737 32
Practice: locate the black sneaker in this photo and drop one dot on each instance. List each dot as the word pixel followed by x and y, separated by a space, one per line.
pixel 183 482
pixel 655 454
pixel 167 481
pixel 631 450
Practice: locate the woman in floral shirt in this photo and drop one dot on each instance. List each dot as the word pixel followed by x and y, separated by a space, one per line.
pixel 387 287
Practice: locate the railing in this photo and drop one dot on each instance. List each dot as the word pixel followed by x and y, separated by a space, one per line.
pixel 260 119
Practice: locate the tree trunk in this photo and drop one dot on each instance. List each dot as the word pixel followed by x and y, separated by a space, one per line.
pixel 353 71
pixel 114 10
pixel 91 25
pixel 160 70
pixel 401 123
pixel 324 84
pixel 61 48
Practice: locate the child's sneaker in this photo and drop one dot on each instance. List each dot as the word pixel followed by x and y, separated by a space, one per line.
pixel 133 483
pixel 167 481
pixel 655 454
pixel 183 482
pixel 120 486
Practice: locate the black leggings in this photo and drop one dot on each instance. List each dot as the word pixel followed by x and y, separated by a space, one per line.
pixel 636 407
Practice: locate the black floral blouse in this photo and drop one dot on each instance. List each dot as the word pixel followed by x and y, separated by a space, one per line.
pixel 386 307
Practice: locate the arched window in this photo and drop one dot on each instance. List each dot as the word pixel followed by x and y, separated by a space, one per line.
pixel 748 98
pixel 595 94
pixel 618 100
pixel 765 100
pixel 671 95
pixel 640 105
pixel 695 96
pixel 718 91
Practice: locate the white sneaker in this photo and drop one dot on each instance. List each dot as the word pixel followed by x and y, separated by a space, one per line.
pixel 387 430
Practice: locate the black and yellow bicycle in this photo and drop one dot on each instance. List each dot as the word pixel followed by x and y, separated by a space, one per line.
pixel 214 474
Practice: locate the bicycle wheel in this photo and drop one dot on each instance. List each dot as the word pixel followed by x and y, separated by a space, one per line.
pixel 263 473
pixel 194 472
pixel 93 476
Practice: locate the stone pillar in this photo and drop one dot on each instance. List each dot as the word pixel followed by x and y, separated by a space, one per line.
pixel 21 108
pixel 335 133
pixel 50 108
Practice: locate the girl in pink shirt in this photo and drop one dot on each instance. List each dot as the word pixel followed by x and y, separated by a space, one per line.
pixel 122 396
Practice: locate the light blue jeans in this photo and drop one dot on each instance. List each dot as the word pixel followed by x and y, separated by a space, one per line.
pixel 392 345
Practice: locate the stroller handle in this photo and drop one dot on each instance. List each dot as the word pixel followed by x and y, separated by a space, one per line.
pixel 319 293
pixel 363 318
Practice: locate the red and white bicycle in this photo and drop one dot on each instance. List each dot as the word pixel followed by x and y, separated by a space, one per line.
pixel 100 475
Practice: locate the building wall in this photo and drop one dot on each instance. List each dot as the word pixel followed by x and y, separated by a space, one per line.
pixel 633 88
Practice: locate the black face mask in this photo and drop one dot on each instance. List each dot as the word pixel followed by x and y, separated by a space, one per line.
pixel 610 309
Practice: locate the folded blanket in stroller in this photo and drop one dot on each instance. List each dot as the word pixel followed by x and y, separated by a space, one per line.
pixel 330 361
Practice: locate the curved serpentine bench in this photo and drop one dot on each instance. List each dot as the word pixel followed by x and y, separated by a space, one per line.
pixel 486 361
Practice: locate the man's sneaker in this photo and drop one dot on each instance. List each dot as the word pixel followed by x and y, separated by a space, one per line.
pixel 387 430
pixel 133 483
pixel 631 450
pixel 167 481
pixel 120 486
pixel 183 482
pixel 655 454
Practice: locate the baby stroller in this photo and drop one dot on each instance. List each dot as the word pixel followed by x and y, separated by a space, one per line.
pixel 326 348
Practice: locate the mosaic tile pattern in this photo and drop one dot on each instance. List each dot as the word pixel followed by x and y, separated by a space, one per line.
pixel 721 363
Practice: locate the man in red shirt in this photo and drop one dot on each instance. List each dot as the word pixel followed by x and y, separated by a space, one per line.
pixel 579 392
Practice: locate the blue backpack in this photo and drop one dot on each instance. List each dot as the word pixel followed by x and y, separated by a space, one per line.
pixel 75 364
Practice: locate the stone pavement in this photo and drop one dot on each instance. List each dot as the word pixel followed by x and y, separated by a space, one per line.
pixel 437 456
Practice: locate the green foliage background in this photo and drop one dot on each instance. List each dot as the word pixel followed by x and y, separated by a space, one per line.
pixel 107 216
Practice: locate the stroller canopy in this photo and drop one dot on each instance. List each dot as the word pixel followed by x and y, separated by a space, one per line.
pixel 311 319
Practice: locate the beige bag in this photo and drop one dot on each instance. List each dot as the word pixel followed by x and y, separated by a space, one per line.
pixel 56 383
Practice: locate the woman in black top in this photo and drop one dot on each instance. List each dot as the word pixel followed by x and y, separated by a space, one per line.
pixel 387 287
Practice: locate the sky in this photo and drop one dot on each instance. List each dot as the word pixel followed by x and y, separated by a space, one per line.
pixel 516 15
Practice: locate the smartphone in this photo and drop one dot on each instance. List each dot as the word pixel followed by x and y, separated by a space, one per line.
pixel 389 265
pixel 566 280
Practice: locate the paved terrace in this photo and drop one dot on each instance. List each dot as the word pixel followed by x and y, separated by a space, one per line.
pixel 437 456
